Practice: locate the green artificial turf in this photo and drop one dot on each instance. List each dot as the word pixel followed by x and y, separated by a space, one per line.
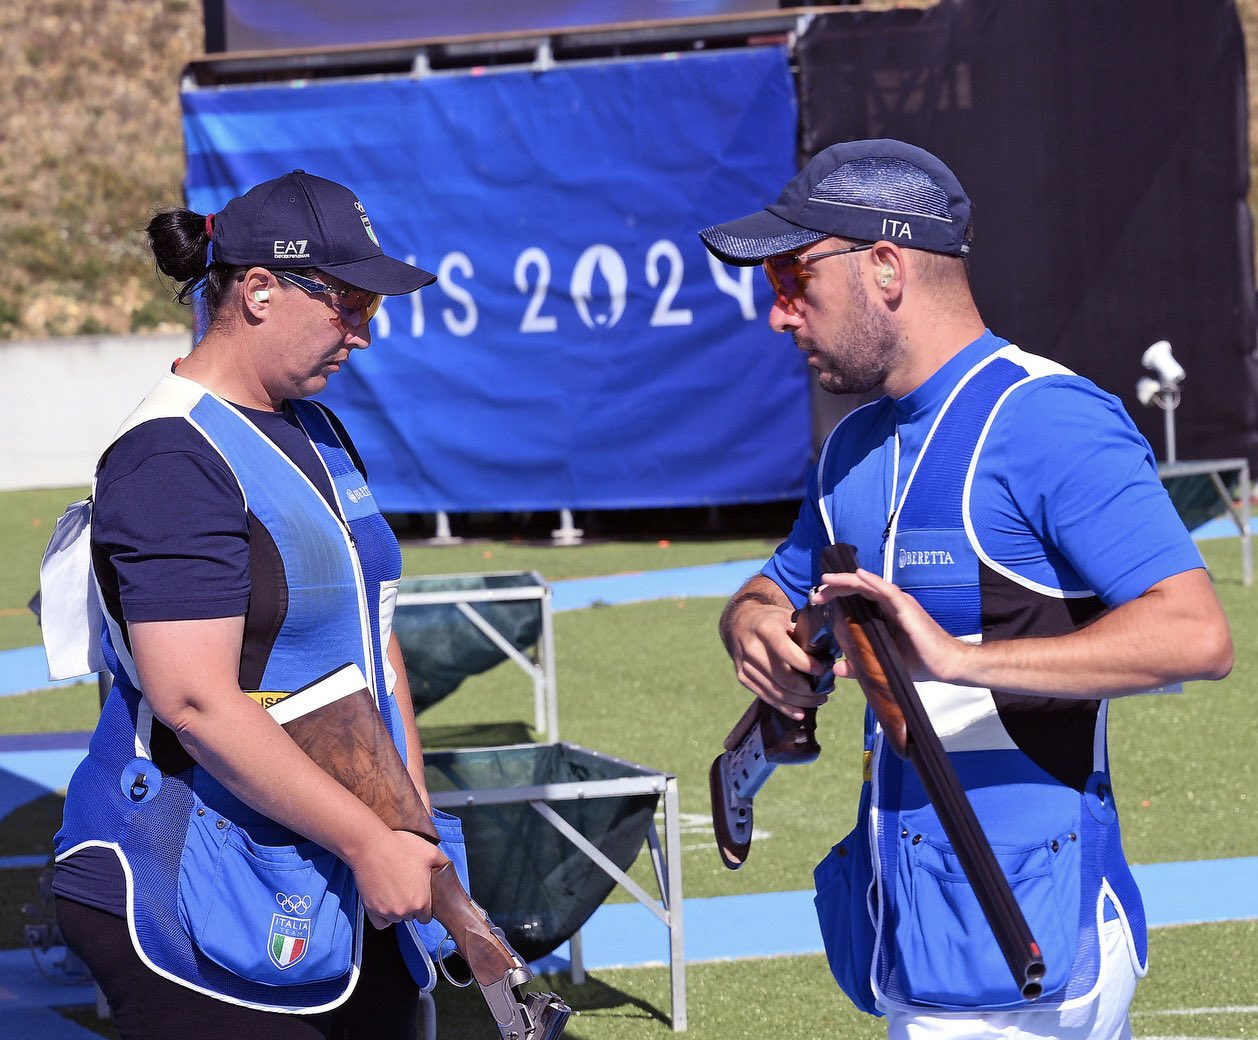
pixel 27 519
pixel 649 682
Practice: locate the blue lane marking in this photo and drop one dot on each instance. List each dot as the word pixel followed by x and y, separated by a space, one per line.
pixel 26 669
pixel 715 579
pixel 774 924
pixel 1198 893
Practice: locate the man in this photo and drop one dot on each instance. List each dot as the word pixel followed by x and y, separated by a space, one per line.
pixel 1011 525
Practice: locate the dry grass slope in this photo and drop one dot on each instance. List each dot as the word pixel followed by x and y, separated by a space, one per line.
pixel 90 142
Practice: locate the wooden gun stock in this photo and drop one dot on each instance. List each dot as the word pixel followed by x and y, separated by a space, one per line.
pixel 345 735
pixel 892 695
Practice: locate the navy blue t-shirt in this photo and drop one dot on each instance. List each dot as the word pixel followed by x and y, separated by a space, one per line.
pixel 168 521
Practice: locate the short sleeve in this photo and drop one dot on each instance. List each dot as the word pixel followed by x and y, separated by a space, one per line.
pixel 791 566
pixel 170 519
pixel 1085 481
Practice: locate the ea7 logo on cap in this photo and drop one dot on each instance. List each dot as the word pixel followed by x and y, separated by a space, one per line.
pixel 291 250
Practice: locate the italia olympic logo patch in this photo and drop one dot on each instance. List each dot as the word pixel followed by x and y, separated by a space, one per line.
pixel 289 936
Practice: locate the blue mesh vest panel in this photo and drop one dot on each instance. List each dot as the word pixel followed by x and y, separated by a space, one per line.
pixel 377 548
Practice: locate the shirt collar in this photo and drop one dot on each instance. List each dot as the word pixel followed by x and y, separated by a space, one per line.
pixel 940 384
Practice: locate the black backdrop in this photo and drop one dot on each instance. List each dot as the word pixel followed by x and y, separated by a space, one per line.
pixel 1103 144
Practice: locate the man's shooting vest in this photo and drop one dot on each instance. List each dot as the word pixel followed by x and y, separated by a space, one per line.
pixel 220 898
pixel 1035 769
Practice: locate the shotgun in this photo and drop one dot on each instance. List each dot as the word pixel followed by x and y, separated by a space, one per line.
pixel 334 721
pixel 884 678
pixel 883 675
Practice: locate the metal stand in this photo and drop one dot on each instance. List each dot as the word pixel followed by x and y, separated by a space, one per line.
pixel 541 672
pixel 1239 513
pixel 666 862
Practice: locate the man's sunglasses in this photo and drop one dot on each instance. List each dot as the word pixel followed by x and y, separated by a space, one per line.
pixel 354 307
pixel 787 273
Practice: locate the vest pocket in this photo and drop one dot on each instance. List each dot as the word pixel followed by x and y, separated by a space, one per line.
pixel 947 955
pixel 282 915
pixel 842 881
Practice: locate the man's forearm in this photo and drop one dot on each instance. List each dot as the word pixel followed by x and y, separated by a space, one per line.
pixel 757 591
pixel 1174 633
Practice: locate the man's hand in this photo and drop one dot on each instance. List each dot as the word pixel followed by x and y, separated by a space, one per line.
pixel 756 627
pixel 929 651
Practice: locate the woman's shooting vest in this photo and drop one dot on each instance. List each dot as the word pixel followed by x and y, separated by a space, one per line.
pixel 902 924
pixel 220 898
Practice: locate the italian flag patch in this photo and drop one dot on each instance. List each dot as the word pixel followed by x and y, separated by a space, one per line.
pixel 289 938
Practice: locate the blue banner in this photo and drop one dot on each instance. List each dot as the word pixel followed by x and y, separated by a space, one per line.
pixel 580 348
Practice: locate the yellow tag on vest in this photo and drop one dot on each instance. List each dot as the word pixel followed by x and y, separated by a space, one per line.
pixel 265 698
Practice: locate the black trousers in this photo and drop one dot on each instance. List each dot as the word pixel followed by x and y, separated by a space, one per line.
pixel 145 1006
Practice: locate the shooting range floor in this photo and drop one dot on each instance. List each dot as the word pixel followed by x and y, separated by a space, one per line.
pixel 619 934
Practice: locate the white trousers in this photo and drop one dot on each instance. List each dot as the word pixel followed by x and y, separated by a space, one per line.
pixel 1105 1018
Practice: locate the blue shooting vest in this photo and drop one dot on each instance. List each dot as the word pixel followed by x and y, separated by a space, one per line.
pixel 902 925
pixel 220 898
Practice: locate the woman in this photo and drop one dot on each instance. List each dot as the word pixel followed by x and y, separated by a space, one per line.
pixel 208 872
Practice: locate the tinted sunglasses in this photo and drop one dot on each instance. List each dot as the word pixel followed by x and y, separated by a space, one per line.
pixel 354 307
pixel 787 272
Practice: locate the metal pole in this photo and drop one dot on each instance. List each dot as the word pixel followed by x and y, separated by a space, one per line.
pixel 1247 553
pixel 1168 414
pixel 566 533
pixel 576 959
pixel 676 928
pixel 443 535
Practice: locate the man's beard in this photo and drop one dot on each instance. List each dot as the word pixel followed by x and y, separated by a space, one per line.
pixel 862 355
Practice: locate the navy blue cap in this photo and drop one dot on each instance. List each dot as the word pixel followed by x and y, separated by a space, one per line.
pixel 864 190
pixel 300 220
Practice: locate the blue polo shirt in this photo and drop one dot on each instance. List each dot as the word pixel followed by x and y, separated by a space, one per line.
pixel 1065 492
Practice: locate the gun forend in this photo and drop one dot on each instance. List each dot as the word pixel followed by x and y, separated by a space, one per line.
pixel 763 739
pixel 334 721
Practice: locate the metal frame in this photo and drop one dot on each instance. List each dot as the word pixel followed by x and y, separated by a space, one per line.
pixel 666 861
pixel 1239 514
pixel 538 49
pixel 541 672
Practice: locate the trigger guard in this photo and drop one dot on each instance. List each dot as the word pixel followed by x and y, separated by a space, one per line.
pixel 442 954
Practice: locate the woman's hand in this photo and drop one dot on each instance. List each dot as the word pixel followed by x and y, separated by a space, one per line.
pixel 394 877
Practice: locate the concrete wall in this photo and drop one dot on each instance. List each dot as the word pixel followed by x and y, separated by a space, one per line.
pixel 62 399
